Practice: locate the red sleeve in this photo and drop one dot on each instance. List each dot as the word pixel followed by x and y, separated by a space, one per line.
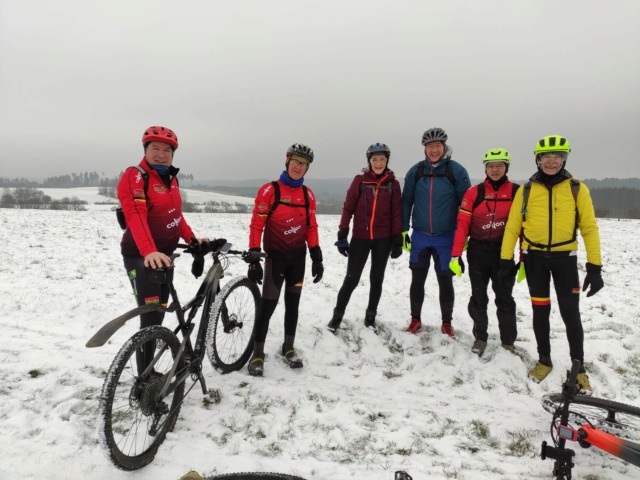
pixel 350 202
pixel 132 197
pixel 464 221
pixel 261 208
pixel 396 209
pixel 312 231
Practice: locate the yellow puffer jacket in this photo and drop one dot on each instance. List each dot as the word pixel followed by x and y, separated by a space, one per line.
pixel 551 220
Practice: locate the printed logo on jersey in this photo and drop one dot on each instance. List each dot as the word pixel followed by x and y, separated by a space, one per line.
pixel 493 225
pixel 175 223
pixel 263 207
pixel 138 177
pixel 292 230
pixel 159 188
pixel 266 191
pixel 285 199
pixel 464 203
pixel 138 194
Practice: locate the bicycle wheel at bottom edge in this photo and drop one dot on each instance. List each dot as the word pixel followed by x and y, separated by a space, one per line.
pixel 612 417
pixel 133 421
pixel 232 321
pixel 253 476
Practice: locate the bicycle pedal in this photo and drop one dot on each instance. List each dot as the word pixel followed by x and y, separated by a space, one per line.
pixel 213 395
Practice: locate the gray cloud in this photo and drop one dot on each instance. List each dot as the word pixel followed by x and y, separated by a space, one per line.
pixel 240 81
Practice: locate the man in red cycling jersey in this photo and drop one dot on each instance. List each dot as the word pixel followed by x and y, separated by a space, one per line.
pixel 154 223
pixel 482 217
pixel 284 221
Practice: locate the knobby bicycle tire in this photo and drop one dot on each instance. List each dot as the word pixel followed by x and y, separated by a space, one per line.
pixel 133 420
pixel 232 321
pixel 612 417
pixel 254 476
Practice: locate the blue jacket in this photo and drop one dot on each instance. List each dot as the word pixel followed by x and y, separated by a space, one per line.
pixel 432 203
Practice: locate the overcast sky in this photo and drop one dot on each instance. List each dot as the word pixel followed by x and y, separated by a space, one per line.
pixel 239 81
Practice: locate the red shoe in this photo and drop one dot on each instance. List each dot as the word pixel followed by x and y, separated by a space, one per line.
pixel 415 326
pixel 447 329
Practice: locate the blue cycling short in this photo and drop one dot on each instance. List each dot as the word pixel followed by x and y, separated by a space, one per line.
pixel 423 247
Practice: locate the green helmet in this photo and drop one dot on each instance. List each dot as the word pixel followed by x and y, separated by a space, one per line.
pixel 553 143
pixel 497 155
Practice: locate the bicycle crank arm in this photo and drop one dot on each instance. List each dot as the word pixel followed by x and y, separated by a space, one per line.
pixel 108 329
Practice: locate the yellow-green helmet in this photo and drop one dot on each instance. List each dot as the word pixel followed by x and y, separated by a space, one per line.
pixel 553 143
pixel 497 155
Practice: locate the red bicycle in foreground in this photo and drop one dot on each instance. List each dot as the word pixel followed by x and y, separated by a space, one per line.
pixel 610 426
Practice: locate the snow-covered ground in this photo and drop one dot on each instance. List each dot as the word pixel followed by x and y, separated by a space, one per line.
pixel 362 407
pixel 98 202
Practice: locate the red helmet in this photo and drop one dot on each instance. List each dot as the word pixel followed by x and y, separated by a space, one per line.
pixel 160 134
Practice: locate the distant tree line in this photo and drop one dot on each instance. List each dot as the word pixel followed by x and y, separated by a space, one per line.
pixel 616 202
pixel 32 198
pixel 75 180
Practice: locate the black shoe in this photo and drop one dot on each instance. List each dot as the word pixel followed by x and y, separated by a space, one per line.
pixel 370 320
pixel 292 358
pixel 335 322
pixel 256 366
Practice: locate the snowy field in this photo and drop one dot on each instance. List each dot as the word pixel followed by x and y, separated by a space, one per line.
pixel 90 195
pixel 362 407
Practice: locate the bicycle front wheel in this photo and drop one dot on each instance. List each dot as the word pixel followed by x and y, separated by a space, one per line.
pixel 232 321
pixel 615 418
pixel 134 414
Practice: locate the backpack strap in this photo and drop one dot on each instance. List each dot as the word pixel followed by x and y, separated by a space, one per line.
pixel 447 173
pixel 480 197
pixel 277 202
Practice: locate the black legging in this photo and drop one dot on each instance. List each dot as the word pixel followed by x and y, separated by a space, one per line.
pixel 359 249
pixel 278 271
pixel 416 293
pixel 483 264
pixel 145 292
pixel 564 271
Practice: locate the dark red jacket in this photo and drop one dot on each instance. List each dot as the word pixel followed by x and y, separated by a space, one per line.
pixel 154 221
pixel 486 223
pixel 375 205
pixel 286 233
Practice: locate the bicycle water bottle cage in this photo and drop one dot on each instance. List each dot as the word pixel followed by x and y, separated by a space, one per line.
pixel 158 276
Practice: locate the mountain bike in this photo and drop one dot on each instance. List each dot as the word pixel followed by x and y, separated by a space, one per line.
pixel 610 426
pixel 139 404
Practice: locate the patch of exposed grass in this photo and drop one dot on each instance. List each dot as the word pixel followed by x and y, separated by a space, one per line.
pixel 520 444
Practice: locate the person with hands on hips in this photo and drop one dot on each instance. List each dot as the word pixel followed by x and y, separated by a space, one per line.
pixel 548 211
pixel 154 224
pixel 483 214
pixel 284 223
pixel 374 201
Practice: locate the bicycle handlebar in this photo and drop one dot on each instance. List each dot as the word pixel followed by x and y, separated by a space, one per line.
pixel 247 255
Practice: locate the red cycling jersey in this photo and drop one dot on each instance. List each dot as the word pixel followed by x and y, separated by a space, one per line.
pixel 154 218
pixel 286 233
pixel 486 222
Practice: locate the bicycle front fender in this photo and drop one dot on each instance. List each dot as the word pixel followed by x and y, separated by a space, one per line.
pixel 108 329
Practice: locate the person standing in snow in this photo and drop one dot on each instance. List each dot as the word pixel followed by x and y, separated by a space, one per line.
pixel 433 190
pixel 284 222
pixel 152 210
pixel 548 211
pixel 482 217
pixel 374 201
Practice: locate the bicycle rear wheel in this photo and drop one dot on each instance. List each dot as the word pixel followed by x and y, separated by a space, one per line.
pixel 615 418
pixel 134 419
pixel 232 321
pixel 253 476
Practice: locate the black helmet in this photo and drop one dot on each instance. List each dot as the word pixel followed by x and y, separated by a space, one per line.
pixel 378 149
pixel 434 135
pixel 300 150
